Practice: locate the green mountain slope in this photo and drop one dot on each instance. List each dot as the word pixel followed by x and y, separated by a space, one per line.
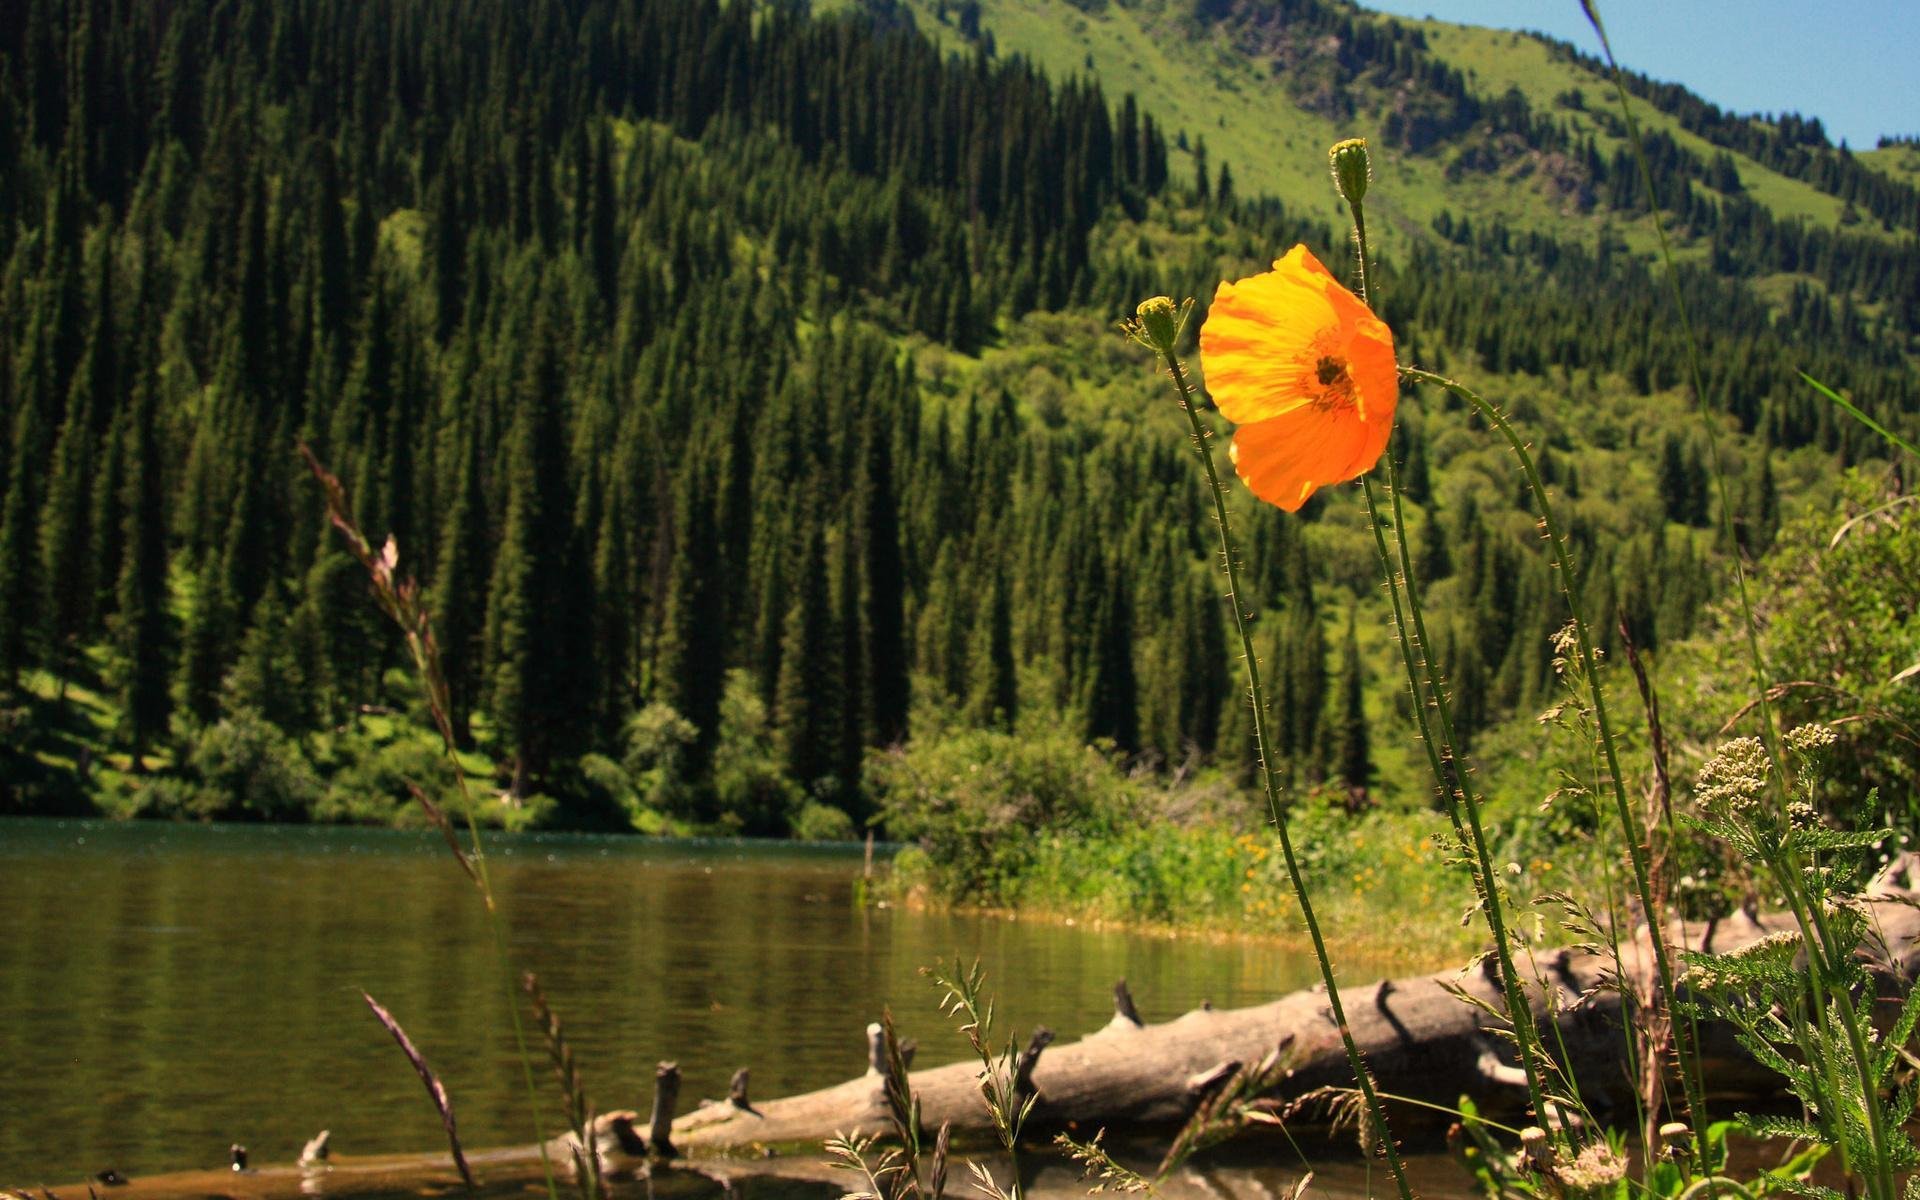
pixel 746 392
pixel 1268 85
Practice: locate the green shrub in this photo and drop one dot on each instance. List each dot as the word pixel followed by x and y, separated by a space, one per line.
pixel 372 789
pixel 817 822
pixel 751 789
pixel 250 770
pixel 658 739
pixel 168 797
pixel 980 801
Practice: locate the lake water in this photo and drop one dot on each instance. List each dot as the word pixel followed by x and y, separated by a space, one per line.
pixel 166 990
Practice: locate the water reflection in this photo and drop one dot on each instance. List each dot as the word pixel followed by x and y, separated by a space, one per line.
pixel 168 990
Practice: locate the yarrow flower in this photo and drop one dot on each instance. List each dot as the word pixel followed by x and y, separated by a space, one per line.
pixel 1306 371
pixel 1810 740
pixel 1732 780
pixel 1594 1172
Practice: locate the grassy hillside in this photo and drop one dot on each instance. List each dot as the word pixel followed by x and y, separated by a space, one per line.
pixel 1214 80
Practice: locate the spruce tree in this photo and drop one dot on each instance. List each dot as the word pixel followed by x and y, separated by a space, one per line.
pixel 1112 699
pixel 533 669
pixel 692 655
pixel 996 689
pixel 458 601
pixel 143 636
pixel 883 583
pixel 807 702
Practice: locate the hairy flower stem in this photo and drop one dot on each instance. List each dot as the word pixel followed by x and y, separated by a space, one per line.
pixel 1630 827
pixel 1442 753
pixel 1463 807
pixel 1228 556
pixel 1823 950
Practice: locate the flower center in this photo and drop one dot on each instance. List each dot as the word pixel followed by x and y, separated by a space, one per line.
pixel 1336 383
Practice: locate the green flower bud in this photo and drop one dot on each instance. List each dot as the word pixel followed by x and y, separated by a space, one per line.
pixel 1157 323
pixel 1352 169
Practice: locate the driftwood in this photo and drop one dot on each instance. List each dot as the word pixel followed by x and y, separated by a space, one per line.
pixel 1421 1039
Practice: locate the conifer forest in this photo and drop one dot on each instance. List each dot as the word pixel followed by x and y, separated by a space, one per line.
pixel 772 493
pixel 740 383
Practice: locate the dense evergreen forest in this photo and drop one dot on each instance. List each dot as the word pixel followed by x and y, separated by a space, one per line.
pixel 741 384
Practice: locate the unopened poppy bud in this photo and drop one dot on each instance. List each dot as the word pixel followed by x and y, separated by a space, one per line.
pixel 1352 169
pixel 1157 320
pixel 1156 324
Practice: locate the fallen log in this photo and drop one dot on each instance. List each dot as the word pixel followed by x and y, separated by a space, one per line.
pixel 1422 1041
pixel 1423 1038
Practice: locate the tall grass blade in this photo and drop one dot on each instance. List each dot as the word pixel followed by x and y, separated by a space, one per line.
pixel 400 599
pixel 445 827
pixel 1852 410
pixel 436 1091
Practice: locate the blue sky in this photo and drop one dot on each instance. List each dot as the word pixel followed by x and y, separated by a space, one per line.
pixel 1855 64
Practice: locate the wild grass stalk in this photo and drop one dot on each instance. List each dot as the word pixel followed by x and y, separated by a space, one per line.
pixel 963 996
pixel 1853 410
pixel 572 1089
pixel 1633 833
pixel 436 1091
pixel 906 1171
pixel 1836 1029
pixel 400 599
pixel 1717 466
pixel 1158 327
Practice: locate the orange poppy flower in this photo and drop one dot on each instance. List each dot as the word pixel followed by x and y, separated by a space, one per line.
pixel 1307 373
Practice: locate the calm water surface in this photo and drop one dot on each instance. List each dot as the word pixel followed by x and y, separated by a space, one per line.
pixel 166 990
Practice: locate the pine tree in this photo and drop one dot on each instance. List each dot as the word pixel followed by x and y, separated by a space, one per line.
pixel 458 601
pixel 533 668
pixel 883 582
pixel 807 702
pixel 1112 700
pixel 211 628
pixel 996 689
pixel 66 562
pixel 142 630
pixel 693 637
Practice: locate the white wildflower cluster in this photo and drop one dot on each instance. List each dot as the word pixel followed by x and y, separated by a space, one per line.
pixel 1732 780
pixel 1811 739
pixel 1594 1171
pixel 1802 815
pixel 1785 942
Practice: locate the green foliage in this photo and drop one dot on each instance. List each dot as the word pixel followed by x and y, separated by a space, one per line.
pixel 1840 625
pixel 751 792
pixel 978 801
pixel 817 822
pixel 248 770
pixel 375 786
pixel 656 754
pixel 674 378
pixel 1801 1001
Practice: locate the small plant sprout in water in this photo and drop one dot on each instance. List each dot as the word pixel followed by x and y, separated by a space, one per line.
pixel 908 1169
